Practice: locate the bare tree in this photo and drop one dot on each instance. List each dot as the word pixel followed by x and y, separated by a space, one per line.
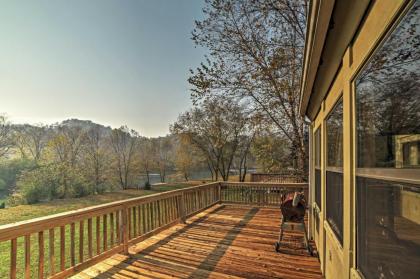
pixel 163 147
pixel 65 147
pixel 5 136
pixel 215 129
pixel 124 142
pixel 31 140
pixel 186 156
pixel 96 157
pixel 256 53
pixel 147 157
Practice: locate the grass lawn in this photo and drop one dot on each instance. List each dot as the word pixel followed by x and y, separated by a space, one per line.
pixel 25 212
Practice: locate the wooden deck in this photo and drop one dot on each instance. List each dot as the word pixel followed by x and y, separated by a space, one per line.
pixel 225 241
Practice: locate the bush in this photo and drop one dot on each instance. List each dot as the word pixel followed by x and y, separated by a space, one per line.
pixel 3 185
pixel 2 205
pixel 15 199
pixel 36 185
pixel 147 185
pixel 52 182
pixel 10 171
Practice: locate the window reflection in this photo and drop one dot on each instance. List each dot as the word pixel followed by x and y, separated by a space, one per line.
pixel 334 173
pixel 388 156
pixel 318 167
pixel 388 99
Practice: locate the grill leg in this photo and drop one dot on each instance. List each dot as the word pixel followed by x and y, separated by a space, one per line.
pixel 277 245
pixel 307 246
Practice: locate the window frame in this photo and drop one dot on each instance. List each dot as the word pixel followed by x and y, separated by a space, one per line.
pixel 337 229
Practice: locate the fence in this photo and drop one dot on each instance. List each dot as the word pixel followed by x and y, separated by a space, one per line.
pixel 60 245
pixel 277 178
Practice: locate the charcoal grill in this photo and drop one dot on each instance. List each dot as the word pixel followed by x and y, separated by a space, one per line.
pixel 293 209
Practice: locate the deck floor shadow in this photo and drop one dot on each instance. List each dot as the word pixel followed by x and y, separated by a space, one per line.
pixel 228 241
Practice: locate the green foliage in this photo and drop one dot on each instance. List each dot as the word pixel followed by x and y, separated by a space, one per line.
pixel 15 199
pixel 10 172
pixel 3 185
pixel 271 153
pixel 52 182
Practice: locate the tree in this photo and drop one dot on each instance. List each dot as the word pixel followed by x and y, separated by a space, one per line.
pixel 5 136
pixel 186 156
pixel 271 151
pixel 124 143
pixel 215 128
pixel 256 52
pixel 147 157
pixel 96 157
pixel 31 140
pixel 163 148
pixel 65 147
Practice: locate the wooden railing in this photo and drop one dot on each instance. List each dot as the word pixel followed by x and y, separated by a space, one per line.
pixel 277 177
pixel 60 245
pixel 259 194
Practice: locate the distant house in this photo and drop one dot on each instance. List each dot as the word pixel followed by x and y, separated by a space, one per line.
pixel 360 90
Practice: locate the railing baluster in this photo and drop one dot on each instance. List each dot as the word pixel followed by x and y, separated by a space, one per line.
pixel 143 218
pixel 111 220
pixel 51 248
pixel 152 216
pixel 117 225
pixel 41 254
pixel 182 207
pixel 175 209
pixel 159 213
pixel 81 238
pixel 134 221
pixel 62 248
pixel 105 231
pixel 124 231
pixel 98 235
pixel 13 254
pixel 147 217
pixel 72 243
pixel 139 219
pixel 27 256
pixel 90 252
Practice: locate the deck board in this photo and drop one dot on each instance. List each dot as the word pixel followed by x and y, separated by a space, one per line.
pixel 229 241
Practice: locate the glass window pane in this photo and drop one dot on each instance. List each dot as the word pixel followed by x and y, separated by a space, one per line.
pixel 388 101
pixel 335 136
pixel 317 148
pixel 334 175
pixel 388 148
pixel 388 229
pixel 318 188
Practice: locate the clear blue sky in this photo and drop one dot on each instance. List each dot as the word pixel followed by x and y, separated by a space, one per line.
pixel 115 62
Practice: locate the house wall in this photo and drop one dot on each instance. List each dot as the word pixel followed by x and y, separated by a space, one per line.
pixel 339 260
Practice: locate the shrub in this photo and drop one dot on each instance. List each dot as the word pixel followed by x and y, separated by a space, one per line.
pixel 147 185
pixel 3 185
pixel 15 199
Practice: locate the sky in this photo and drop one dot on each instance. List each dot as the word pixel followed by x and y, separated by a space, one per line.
pixel 115 62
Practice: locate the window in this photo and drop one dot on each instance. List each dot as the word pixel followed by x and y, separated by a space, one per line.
pixel 388 174
pixel 317 148
pixel 334 173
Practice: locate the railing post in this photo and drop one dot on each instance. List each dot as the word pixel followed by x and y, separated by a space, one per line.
pixel 219 192
pixel 124 229
pixel 182 207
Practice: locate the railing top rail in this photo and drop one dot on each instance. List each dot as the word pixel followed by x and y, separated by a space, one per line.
pixel 267 184
pixel 17 229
